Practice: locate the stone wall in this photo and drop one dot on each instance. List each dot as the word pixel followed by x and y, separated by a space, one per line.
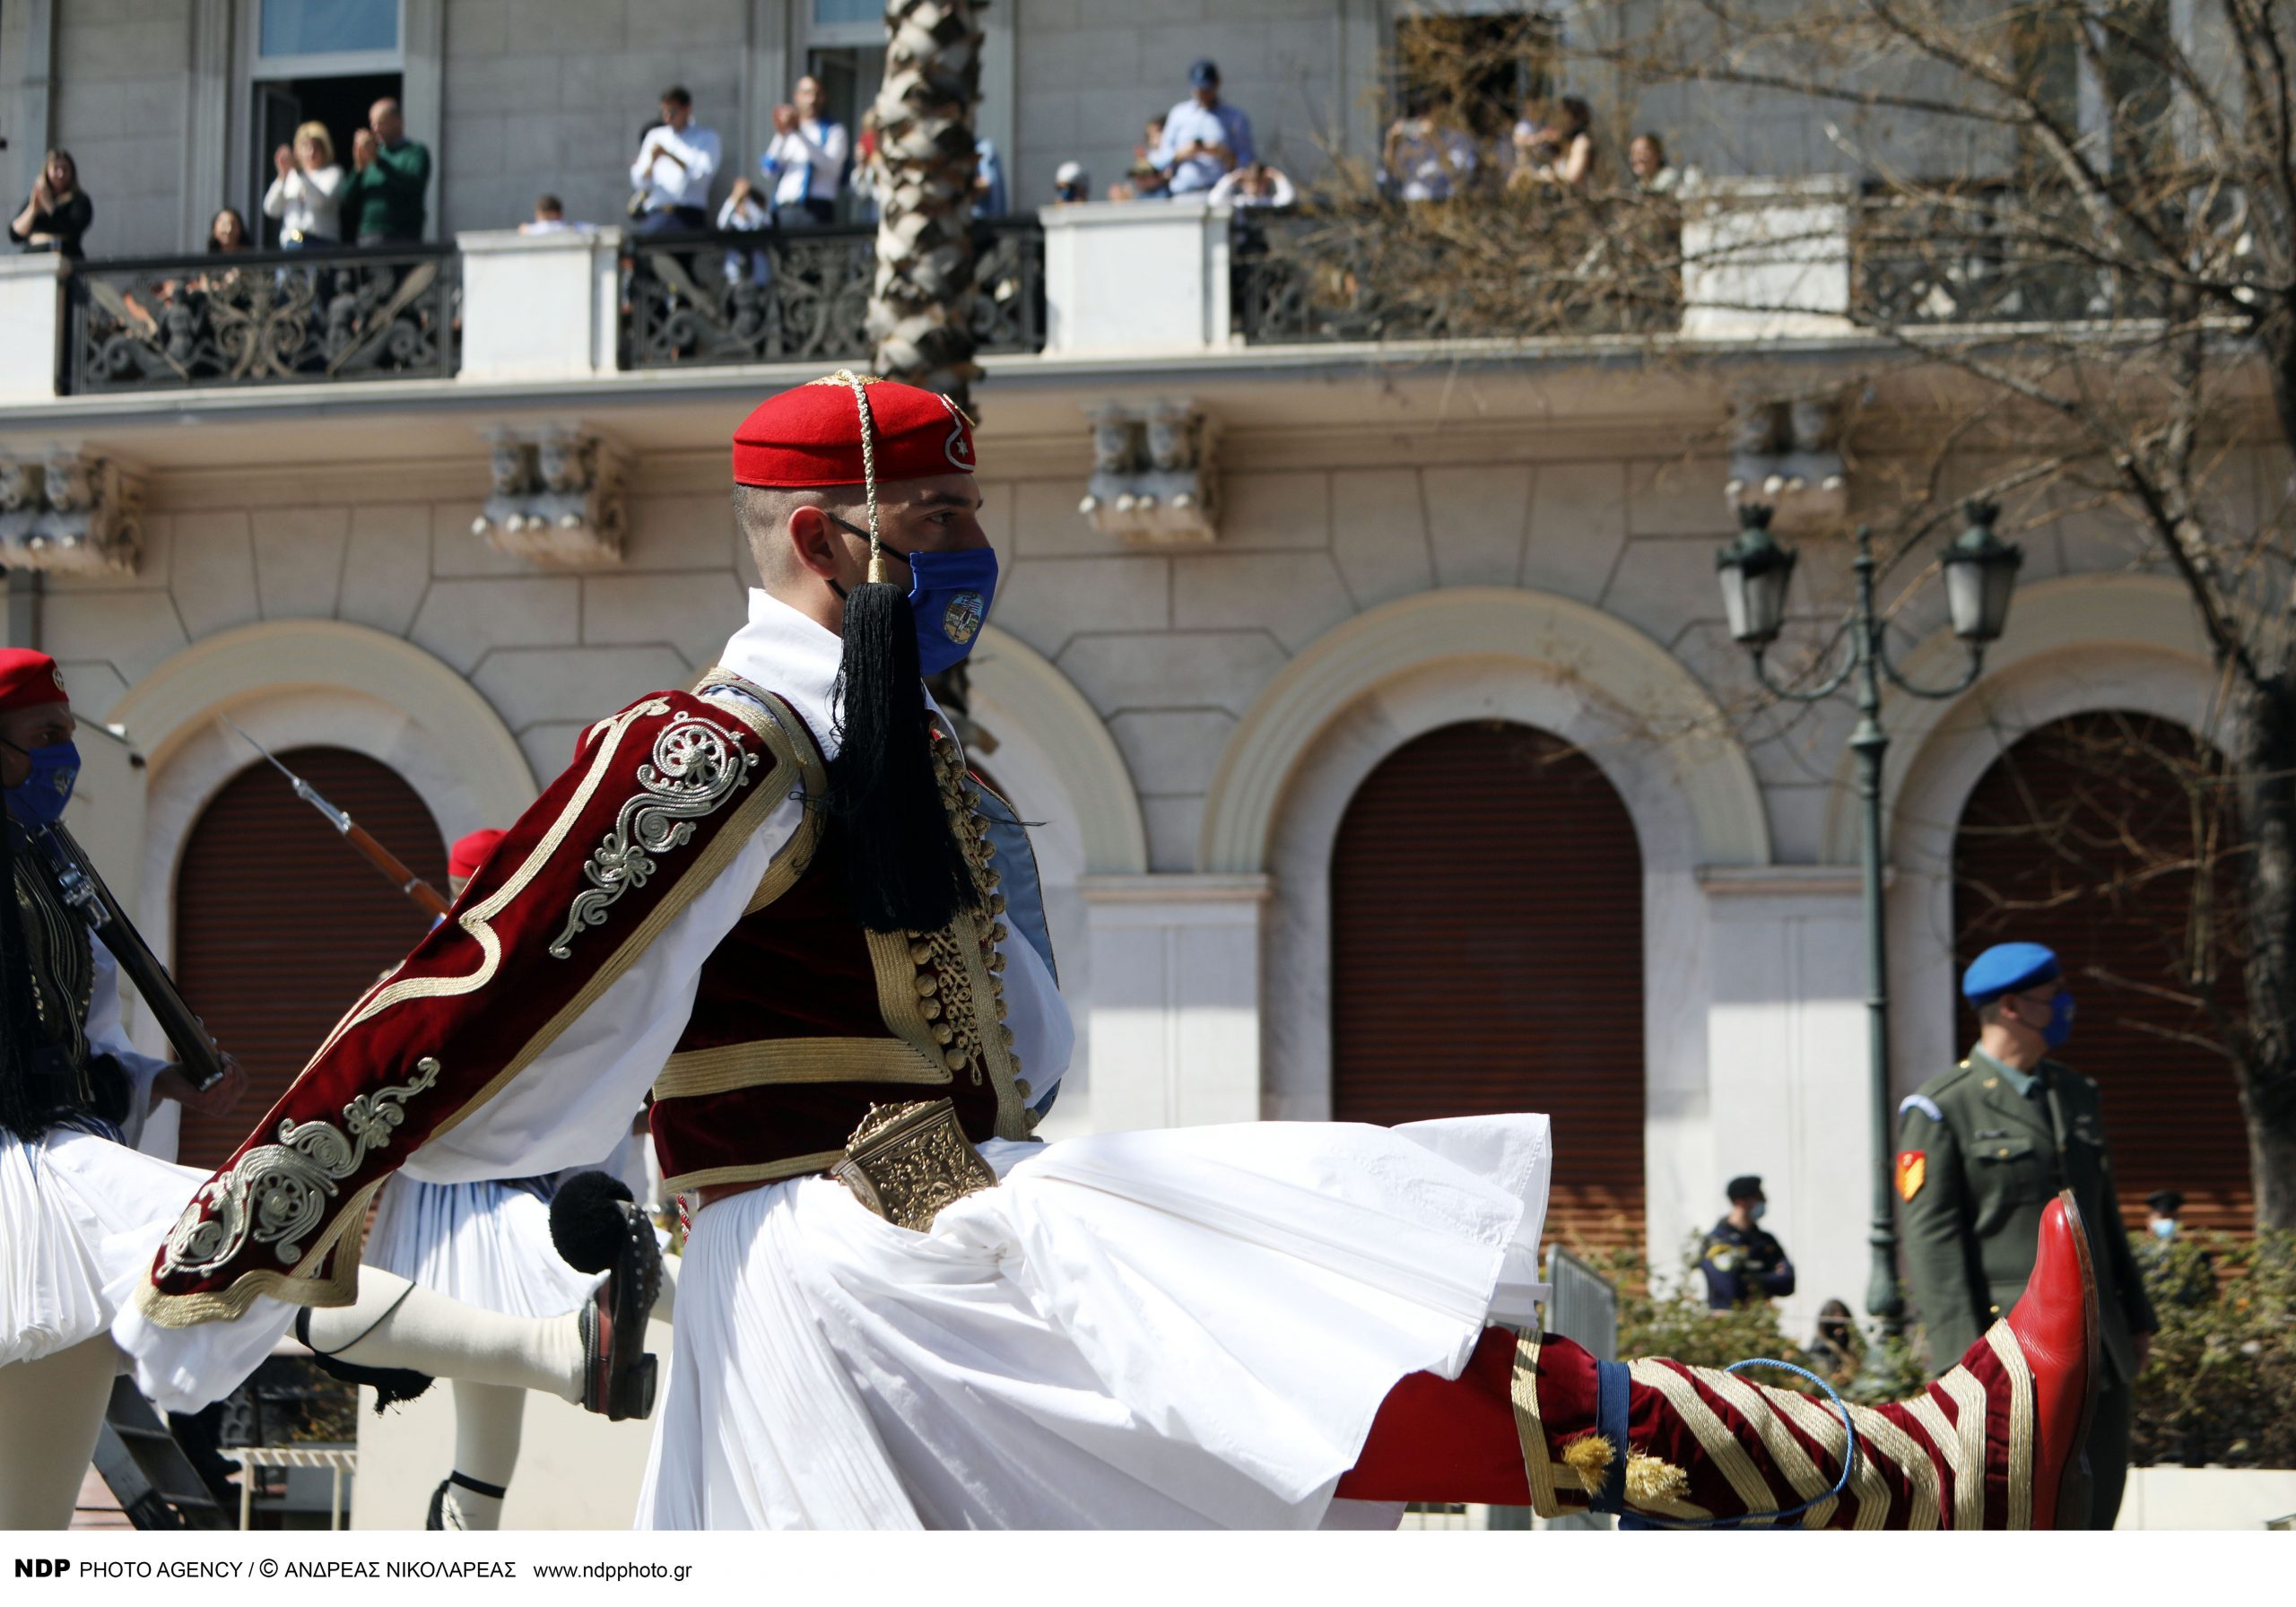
pixel 121 109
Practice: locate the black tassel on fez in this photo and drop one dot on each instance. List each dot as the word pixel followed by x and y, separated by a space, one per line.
pixel 903 869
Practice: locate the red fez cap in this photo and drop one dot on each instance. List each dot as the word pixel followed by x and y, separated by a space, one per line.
pixel 27 678
pixel 811 435
pixel 470 852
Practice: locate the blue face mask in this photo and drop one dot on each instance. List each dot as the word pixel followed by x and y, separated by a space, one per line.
pixel 2060 1020
pixel 950 594
pixel 1757 1208
pixel 41 800
pixel 2164 1227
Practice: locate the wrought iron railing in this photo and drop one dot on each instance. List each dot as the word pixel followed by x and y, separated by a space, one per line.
pixel 793 295
pixel 262 317
pixel 1386 272
pixel 1982 253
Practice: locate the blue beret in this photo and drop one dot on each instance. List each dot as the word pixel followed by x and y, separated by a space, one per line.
pixel 2007 968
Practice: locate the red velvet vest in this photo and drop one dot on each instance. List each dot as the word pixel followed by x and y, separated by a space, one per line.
pixel 803 1019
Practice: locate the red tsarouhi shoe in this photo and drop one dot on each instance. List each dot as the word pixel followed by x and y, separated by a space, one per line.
pixel 1998 1442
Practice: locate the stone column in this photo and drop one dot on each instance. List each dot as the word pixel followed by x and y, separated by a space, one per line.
pixel 31 325
pixel 1125 277
pixel 1788 1071
pixel 1175 998
pixel 539 306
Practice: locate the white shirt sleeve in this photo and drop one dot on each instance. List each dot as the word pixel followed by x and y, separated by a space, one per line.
pixel 572 1104
pixel 701 164
pixel 1044 1035
pixel 106 1036
pixel 274 199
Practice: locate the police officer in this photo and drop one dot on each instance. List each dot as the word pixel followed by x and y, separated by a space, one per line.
pixel 1980 1150
pixel 1740 1260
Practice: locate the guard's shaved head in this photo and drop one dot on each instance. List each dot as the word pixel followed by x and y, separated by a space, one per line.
pixel 762 513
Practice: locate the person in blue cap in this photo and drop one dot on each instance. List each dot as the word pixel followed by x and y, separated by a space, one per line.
pixel 1980 1150
pixel 1204 137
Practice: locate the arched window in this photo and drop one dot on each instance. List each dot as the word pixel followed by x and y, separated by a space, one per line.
pixel 1486 909
pixel 2105 835
pixel 280 924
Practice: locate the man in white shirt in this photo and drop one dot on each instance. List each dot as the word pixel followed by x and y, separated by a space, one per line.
pixel 1204 137
pixel 676 162
pixel 805 164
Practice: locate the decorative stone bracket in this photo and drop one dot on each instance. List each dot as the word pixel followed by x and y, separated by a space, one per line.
pixel 71 513
pixel 1785 455
pixel 1153 480
pixel 558 498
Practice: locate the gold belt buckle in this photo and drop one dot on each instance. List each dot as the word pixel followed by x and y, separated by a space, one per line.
pixel 906 1161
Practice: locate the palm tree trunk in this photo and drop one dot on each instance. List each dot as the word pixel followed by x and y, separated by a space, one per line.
pixel 920 315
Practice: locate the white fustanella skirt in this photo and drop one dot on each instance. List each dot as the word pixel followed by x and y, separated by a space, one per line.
pixel 1182 1328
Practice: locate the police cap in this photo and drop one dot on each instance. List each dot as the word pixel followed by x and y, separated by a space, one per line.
pixel 1743 1188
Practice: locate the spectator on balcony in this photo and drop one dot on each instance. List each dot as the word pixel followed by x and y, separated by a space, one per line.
pixel 989 198
pixel 1144 181
pixel 227 233
pixel 1070 183
pixel 1204 137
pixel 745 214
pixel 805 165
pixel 1645 159
pixel 1557 154
pixel 382 202
pixel 1257 185
pixel 550 218
pixel 304 196
pixel 1424 159
pixel 677 159
pixel 57 212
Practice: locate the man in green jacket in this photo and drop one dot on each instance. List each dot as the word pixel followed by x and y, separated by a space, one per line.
pixel 1980 1150
pixel 383 199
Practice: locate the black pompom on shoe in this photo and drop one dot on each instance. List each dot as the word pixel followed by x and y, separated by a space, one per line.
pixel 586 1222
pixel 597 1229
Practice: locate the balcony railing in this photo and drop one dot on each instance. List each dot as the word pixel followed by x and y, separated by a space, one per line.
pixel 270 317
pixel 1976 253
pixel 803 295
pixel 1378 274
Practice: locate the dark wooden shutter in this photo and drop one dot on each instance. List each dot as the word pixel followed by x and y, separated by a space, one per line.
pixel 280 923
pixel 2082 836
pixel 1486 908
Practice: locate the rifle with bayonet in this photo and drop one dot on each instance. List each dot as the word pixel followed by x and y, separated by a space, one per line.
pixel 414 887
pixel 196 1056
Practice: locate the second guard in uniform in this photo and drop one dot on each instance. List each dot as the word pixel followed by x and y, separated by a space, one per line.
pixel 1981 1149
pixel 1740 1261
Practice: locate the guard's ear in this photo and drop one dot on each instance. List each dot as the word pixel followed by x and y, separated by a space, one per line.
pixel 814 539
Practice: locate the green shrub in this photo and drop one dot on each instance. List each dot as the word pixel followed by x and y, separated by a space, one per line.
pixel 2221 1385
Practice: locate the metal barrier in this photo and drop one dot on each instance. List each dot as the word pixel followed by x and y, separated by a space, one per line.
pixel 262 318
pixel 789 295
pixel 343 1464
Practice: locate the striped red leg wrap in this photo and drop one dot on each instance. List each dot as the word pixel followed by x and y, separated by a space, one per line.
pixel 1518 1426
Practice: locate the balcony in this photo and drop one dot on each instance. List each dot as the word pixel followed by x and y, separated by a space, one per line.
pixel 803 295
pixel 273 318
pixel 1086 288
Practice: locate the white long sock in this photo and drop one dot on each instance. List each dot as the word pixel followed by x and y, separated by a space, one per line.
pixel 489 1420
pixel 50 1412
pixel 396 1323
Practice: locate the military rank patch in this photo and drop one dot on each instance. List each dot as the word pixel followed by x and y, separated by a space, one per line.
pixel 1913 1171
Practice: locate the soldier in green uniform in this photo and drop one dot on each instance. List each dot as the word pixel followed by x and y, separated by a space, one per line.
pixel 1980 1150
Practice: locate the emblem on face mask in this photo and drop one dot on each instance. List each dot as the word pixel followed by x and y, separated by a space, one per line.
pixel 965 614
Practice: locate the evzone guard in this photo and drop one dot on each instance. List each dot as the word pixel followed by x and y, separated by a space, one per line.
pixel 781 900
pixel 80 1210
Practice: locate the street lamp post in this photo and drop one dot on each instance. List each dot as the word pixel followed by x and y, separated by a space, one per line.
pixel 1980 570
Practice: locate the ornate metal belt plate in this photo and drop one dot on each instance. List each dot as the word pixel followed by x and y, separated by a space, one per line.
pixel 905 1162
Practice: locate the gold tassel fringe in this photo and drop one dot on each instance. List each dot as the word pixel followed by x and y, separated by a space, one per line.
pixel 1591 1458
pixel 1652 1481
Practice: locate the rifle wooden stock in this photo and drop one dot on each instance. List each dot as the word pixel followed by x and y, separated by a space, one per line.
pixel 413 886
pixel 196 1056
